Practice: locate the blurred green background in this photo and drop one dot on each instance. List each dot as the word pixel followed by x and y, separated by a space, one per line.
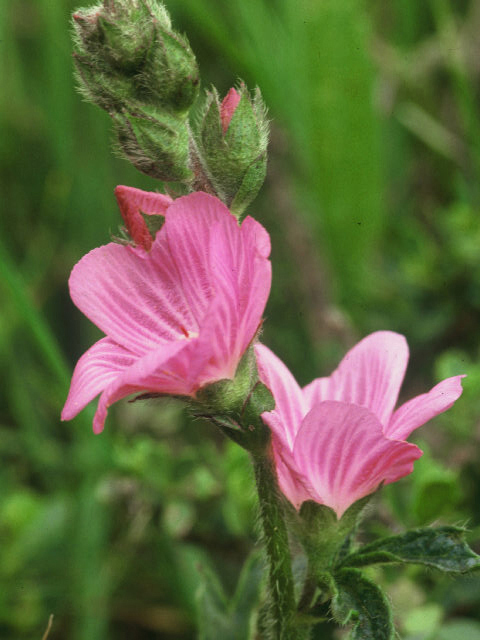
pixel 373 204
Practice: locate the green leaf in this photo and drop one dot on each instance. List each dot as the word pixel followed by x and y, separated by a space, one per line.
pixel 443 548
pixel 363 603
pixel 220 617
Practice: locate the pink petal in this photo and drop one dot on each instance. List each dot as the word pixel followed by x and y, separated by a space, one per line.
pixel 343 454
pixel 160 371
pixel 292 483
pixel 227 108
pixel 317 391
pixel 132 296
pixel 132 203
pixel 189 230
pixel 95 370
pixel 419 410
pixel 371 374
pixel 256 235
pixel 241 278
pixel 290 407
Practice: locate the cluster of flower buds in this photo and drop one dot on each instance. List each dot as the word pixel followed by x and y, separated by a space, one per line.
pixel 231 141
pixel 131 63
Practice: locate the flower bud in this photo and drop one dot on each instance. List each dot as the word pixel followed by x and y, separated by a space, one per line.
pixel 131 63
pixel 231 144
pixel 156 146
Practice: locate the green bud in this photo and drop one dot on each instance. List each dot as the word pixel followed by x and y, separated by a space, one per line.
pixel 157 147
pixel 231 141
pixel 131 63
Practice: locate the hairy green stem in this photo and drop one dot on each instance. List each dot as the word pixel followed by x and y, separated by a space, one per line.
pixel 282 609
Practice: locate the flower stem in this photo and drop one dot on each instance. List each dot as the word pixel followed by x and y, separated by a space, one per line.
pixel 282 609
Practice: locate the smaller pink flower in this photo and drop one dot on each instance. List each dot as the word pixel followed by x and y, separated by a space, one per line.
pixel 227 108
pixel 338 439
pixel 177 317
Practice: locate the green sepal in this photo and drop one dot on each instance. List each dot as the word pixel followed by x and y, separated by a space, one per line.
pixel 360 602
pixel 235 618
pixel 243 133
pixel 156 145
pixel 236 405
pixel 125 47
pixel 442 548
pixel 109 91
pixel 325 538
pixel 227 397
pixel 211 127
pixel 170 76
pixel 259 400
pixel 250 186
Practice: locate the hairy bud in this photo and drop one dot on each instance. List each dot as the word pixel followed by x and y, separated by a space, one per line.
pixel 231 146
pixel 131 63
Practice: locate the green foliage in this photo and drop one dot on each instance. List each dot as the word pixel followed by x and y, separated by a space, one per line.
pixel 442 548
pixel 363 603
pixel 223 617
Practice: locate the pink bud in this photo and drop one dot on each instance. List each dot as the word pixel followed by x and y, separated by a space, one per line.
pixel 227 108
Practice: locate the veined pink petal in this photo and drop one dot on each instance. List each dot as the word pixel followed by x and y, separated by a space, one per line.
pixel 241 278
pixel 419 410
pixel 189 230
pixel 317 391
pixel 256 235
pixel 371 374
pixel 227 108
pixel 161 370
pixel 340 448
pixel 291 481
pixel 132 203
pixel 95 370
pixel 290 406
pixel 132 296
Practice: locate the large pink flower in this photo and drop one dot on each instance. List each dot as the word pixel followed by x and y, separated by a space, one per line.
pixel 338 439
pixel 176 317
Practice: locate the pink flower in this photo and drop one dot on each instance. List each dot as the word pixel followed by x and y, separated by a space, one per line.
pixel 338 439
pixel 177 317
pixel 227 108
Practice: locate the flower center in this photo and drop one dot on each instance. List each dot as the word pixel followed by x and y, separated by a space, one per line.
pixel 187 335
